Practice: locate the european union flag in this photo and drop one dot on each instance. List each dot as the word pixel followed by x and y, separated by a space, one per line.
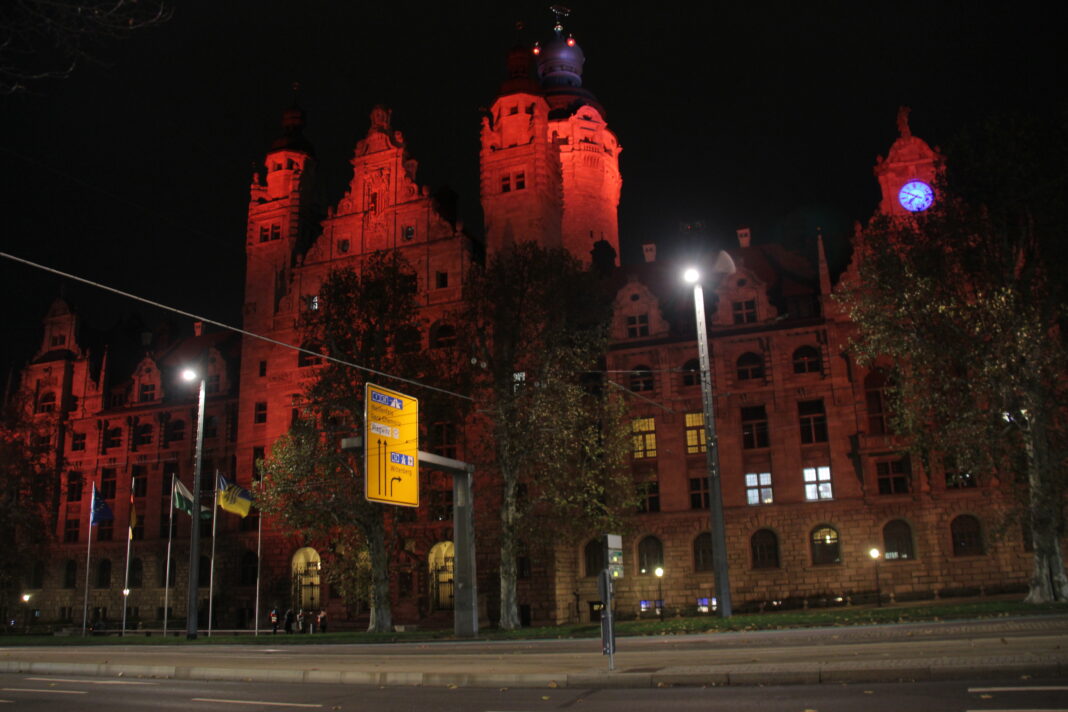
pixel 100 511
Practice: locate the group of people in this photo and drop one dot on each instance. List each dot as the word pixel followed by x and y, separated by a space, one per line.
pixel 305 622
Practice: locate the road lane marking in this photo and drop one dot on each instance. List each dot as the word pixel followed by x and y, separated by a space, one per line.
pixel 54 692
pixel 1035 688
pixel 1020 709
pixel 90 682
pixel 253 702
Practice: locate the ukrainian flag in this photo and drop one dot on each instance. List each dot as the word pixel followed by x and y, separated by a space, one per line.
pixel 233 498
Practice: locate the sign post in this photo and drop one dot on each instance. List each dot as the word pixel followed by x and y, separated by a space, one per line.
pixel 391 452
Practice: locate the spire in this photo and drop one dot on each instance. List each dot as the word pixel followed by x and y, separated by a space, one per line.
pixel 520 69
pixel 825 273
pixel 292 138
pixel 560 61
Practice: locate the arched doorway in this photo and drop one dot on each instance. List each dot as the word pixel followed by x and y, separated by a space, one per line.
pixel 305 570
pixel 440 563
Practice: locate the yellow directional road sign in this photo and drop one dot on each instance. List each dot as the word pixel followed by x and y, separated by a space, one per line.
pixel 391 446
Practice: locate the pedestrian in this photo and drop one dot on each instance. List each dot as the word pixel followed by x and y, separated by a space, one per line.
pixel 322 621
pixel 274 620
pixel 289 620
pixel 300 621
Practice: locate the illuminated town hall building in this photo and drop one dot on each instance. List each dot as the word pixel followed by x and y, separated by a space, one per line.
pixel 812 477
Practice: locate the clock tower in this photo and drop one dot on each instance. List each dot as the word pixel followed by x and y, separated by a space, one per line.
pixel 908 174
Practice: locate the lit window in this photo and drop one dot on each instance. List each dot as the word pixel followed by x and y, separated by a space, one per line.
pixel 644 436
pixel 813 421
pixel 758 488
pixel 825 546
pixel 695 433
pixel 650 555
pixel 744 312
pixel 817 483
pixel 897 541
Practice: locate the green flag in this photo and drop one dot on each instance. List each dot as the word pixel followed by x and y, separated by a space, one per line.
pixel 183 500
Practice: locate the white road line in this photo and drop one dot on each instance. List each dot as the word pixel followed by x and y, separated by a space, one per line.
pixel 253 702
pixel 1035 688
pixel 1020 709
pixel 90 682
pixel 54 692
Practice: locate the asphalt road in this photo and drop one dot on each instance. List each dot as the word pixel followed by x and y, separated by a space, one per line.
pixel 59 694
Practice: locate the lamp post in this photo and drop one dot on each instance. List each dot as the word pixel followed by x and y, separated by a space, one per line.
pixel 190 374
pixel 724 265
pixel 875 555
pixel 26 609
pixel 659 571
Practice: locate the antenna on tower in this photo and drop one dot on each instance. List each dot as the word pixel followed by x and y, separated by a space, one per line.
pixel 561 12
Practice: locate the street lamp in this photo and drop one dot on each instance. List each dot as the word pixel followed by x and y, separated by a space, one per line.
pixel 724 265
pixel 26 605
pixel 659 571
pixel 190 374
pixel 875 555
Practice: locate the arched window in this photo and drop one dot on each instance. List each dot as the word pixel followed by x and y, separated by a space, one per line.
pixel 702 552
pixel 70 574
pixel 807 360
pixel 408 340
pixel 46 403
pixel 103 574
pixel 897 541
pixel 691 373
pixel 137 573
pixel 825 546
pixel 247 575
pixel 750 366
pixel 442 336
pixel 650 555
pixel 163 581
pixel 967 536
pixel 593 553
pixel 641 379
pixel 764 546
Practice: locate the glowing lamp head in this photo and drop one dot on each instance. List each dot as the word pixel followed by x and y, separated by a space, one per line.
pixel 659 571
pixel 25 598
pixel 570 41
pixel 537 48
pixel 691 275
pixel 189 374
pixel 874 553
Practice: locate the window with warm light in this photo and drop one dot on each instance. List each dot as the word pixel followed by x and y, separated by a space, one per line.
pixel 817 483
pixel 643 435
pixel 695 433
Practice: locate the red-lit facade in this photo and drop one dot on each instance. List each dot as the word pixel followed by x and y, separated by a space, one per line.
pixel 812 476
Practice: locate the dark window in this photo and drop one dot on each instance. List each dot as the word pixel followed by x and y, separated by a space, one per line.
pixel 695 433
pixel 441 280
pixel 408 340
pixel 637 326
pixel 956 477
pixel 967 536
pixel 442 336
pixel 46 403
pixel 444 439
pixel 163 577
pixel 212 386
pixel 750 367
pixel 258 454
pixel 204 571
pixel 522 562
pixel 641 379
pixel 643 433
pixel 259 414
pixel 897 541
pixel 744 312
pixel 807 360
pixel 70 574
pixel 506 184
pixel 137 573
pixel 893 476
pixel 875 399
pixel 252 521
pixel 175 431
pixel 112 438
pixel 103 573
pixel 77 441
pixel 304 359
pixel 408 231
pixel 813 421
pixel 825 548
pixel 343 246
pixel 276 232
pixel 264 233
pixel 650 555
pixel 593 553
pixel 105 530
pixel 72 523
pixel 520 180
pixel 137 525
pixel 440 509
pixel 764 548
pixel 211 426
pixel 698 493
pixel 107 483
pixel 143 435
pixel 649 494
pixel 691 373
pixel 247 576
pixel 74 486
pixel 702 552
pixel 167 518
pixel 146 392
pixel 263 369
pixel 139 481
pixel 754 427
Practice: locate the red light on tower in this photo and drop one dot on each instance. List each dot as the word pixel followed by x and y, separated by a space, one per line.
pixel 537 48
pixel 570 40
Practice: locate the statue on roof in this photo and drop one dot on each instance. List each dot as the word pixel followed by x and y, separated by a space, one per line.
pixel 903 122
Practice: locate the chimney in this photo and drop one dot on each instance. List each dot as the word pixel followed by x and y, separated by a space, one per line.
pixel 649 251
pixel 743 237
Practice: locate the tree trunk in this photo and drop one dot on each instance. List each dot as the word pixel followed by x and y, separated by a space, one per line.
pixel 1048 580
pixel 381 610
pixel 509 607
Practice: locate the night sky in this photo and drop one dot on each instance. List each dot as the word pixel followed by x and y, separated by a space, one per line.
pixel 135 171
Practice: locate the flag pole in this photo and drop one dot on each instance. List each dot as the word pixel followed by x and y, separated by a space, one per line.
pixel 211 570
pixel 167 573
pixel 129 540
pixel 259 539
pixel 88 552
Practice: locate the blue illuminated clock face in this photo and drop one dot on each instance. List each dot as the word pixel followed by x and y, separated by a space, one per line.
pixel 915 196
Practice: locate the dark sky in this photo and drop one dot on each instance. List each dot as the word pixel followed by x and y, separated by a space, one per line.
pixel 135 171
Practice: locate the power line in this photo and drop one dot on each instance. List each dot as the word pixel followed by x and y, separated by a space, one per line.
pixel 243 332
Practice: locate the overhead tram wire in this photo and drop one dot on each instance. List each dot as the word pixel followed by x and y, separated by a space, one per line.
pixel 243 332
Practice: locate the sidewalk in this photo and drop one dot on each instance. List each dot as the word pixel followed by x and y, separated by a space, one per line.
pixel 1006 647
